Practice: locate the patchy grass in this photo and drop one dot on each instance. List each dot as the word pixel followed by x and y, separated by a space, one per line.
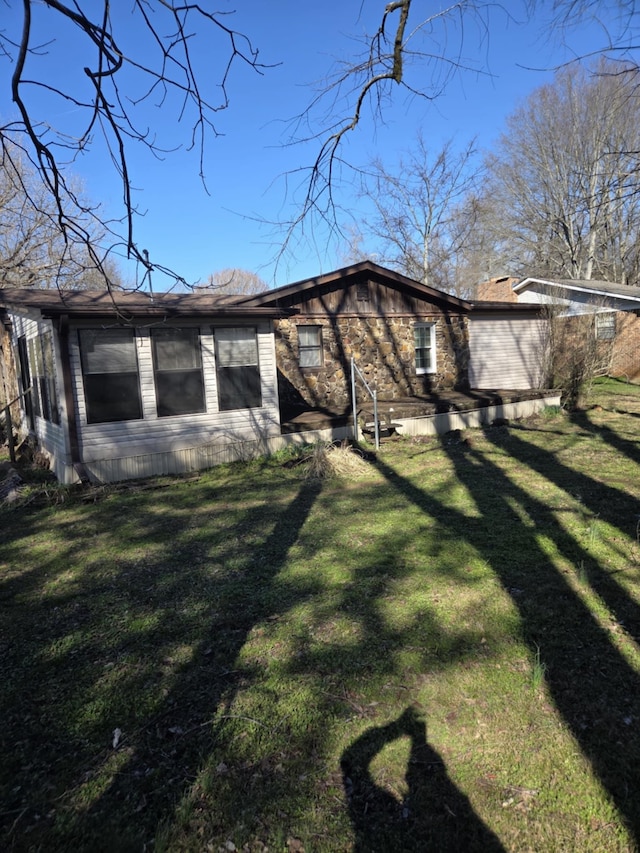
pixel 442 654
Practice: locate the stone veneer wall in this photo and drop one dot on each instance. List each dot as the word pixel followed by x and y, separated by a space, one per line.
pixel 384 351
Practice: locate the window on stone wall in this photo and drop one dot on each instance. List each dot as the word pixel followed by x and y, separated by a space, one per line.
pixel 110 375
pixel 310 346
pixel 178 371
pixel 606 326
pixel 424 337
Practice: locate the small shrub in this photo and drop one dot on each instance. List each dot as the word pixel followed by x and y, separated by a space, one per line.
pixel 550 412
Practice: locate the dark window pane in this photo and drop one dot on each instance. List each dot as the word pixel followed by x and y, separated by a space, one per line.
pixel 53 398
pixel 179 392
pixel 35 374
pixel 49 378
pixel 239 388
pixel 423 340
pixel 112 397
pixel 237 368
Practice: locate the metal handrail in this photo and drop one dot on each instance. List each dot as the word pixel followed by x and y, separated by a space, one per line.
pixel 374 396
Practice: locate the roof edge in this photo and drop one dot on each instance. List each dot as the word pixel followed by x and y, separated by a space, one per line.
pixel 303 285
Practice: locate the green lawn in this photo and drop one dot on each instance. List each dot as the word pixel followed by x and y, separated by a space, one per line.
pixel 442 654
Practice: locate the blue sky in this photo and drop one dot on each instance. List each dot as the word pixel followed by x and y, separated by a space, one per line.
pixel 197 233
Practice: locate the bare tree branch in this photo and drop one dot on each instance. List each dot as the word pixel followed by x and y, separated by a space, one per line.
pixel 108 103
pixel 396 48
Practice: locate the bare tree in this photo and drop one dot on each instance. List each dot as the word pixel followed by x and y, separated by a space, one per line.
pixel 33 251
pixel 412 50
pixel 479 257
pixel 561 198
pixel 130 58
pixel 235 281
pixel 417 51
pixel 108 92
pixel 417 228
pixel 575 354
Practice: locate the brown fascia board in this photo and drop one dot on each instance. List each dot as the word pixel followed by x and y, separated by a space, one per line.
pixel 269 297
pixel 128 306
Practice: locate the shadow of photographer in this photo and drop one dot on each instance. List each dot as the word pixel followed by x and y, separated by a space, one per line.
pixel 434 815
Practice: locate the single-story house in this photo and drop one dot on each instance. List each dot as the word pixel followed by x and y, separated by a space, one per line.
pixel 408 339
pixel 128 384
pixel 614 309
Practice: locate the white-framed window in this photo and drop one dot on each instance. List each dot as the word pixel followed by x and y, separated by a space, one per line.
pixel 237 368
pixel 177 367
pixel 424 338
pixel 310 346
pixel 606 326
pixel 44 394
pixel 110 375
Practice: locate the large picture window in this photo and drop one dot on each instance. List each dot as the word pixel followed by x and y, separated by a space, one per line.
pixel 177 363
pixel 310 346
pixel 110 375
pixel 424 336
pixel 238 371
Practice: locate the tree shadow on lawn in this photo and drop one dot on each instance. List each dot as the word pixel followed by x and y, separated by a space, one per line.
pixel 87 677
pixel 435 814
pixel 173 746
pixel 603 502
pixel 151 643
pixel 630 449
pixel 594 688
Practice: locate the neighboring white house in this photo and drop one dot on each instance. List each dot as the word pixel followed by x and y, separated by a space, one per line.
pixel 578 297
pixel 615 307
pixel 127 385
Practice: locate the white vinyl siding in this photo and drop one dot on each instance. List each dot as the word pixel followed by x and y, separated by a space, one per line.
pixel 507 352
pixel 51 435
pixel 188 434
